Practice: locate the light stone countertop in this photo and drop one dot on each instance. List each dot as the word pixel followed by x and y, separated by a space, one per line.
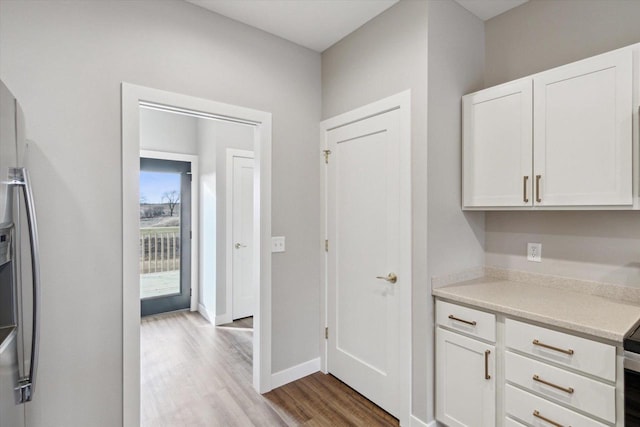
pixel 575 311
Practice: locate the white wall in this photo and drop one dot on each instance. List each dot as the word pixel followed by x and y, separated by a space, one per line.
pixel 456 67
pixel 65 62
pixel 600 246
pixel 386 56
pixel 168 132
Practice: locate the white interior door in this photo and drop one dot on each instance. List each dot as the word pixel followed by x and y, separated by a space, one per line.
pixel 242 241
pixel 364 223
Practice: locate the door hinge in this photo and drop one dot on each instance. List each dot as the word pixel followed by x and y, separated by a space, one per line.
pixel 326 246
pixel 326 333
pixel 190 234
pixel 190 292
pixel 326 155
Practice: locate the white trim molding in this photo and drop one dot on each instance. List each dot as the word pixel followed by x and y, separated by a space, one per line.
pixel 294 373
pixel 401 102
pixel 195 192
pixel 205 313
pixel 417 422
pixel 133 97
pixel 227 317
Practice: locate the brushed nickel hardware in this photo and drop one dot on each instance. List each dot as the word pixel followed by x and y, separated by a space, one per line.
pixel 536 414
pixel 326 333
pixel 486 365
pixel 468 322
pixel 391 278
pixel 326 155
pixel 524 189
pixel 538 199
pixel 565 389
pixel 550 347
pixel 240 245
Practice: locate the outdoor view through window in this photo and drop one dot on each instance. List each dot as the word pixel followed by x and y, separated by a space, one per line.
pixel 159 234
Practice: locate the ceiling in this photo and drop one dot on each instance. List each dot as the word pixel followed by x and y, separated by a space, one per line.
pixel 318 24
pixel 487 9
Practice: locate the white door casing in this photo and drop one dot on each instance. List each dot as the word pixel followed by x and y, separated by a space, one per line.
pixel 242 238
pixel 368 227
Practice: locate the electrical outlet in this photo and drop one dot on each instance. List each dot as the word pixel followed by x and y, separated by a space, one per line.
pixel 534 252
pixel 277 243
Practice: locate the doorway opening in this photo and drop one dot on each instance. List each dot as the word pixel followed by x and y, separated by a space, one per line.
pixel 165 235
pixel 139 251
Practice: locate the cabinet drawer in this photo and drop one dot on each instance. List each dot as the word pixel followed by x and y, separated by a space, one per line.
pixel 574 390
pixel 510 422
pixel 467 320
pixel 536 411
pixel 578 353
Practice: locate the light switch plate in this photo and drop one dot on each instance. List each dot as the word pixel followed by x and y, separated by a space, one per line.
pixel 277 244
pixel 534 252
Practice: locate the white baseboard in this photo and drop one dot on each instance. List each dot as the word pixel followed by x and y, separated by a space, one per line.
pixel 295 373
pixel 416 422
pixel 223 318
pixel 204 312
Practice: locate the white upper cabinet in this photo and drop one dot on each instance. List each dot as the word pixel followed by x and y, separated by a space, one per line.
pixel 583 132
pixel 560 139
pixel 498 145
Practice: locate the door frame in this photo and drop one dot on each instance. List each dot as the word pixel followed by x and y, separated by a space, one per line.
pixel 132 98
pixel 230 154
pixel 195 230
pixel 402 102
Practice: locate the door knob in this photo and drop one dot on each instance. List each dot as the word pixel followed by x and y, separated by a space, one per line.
pixel 391 278
pixel 240 245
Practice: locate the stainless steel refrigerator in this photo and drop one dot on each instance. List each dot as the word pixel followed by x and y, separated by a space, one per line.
pixel 19 270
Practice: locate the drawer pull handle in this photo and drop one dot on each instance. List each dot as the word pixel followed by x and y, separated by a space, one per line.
pixel 553 423
pixel 524 190
pixel 538 199
pixel 565 389
pixel 550 347
pixel 472 323
pixel 486 365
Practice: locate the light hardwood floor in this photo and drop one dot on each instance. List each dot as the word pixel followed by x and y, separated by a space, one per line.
pixel 194 374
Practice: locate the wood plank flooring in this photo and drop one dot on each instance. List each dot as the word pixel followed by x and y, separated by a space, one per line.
pixel 194 374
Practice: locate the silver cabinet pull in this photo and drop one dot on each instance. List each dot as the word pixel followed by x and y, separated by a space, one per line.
pixel 524 189
pixel 550 347
pixel 553 423
pixel 538 199
pixel 468 322
pixel 391 278
pixel 486 365
pixel 569 390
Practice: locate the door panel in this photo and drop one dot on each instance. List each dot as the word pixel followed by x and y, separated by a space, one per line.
pixel 165 236
pixel 498 146
pixel 242 211
pixel 364 234
pixel 583 124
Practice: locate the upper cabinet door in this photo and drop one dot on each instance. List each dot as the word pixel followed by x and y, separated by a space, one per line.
pixel 583 133
pixel 497 146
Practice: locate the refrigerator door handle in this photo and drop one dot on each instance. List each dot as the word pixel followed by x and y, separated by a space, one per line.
pixel 21 179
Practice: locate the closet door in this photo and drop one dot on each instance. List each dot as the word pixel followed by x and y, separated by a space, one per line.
pixel 583 133
pixel 497 150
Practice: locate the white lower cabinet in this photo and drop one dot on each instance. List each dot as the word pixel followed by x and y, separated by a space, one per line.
pixel 544 377
pixel 465 382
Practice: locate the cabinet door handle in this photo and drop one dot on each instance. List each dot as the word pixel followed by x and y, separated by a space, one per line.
pixel 486 365
pixel 550 347
pixel 468 322
pixel 538 199
pixel 524 189
pixel 565 389
pixel 553 423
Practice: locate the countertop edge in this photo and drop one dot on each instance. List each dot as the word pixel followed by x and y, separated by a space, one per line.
pixel 570 326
